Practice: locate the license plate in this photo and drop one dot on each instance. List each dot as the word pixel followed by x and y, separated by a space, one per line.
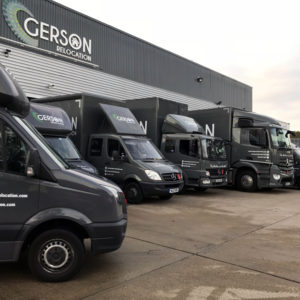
pixel 219 180
pixel 173 191
pixel 287 183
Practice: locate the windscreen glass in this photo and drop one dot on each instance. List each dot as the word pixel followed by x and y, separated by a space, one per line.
pixel 213 149
pixel 64 147
pixel 279 138
pixel 142 149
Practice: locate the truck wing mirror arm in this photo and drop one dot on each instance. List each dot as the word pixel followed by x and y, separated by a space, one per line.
pixel 33 163
pixel 293 133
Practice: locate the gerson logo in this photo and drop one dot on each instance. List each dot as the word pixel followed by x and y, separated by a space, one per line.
pixel 47 118
pixel 31 30
pixel 123 119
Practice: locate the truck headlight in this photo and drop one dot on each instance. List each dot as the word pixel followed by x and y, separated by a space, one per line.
pixel 153 175
pixel 207 173
pixel 276 176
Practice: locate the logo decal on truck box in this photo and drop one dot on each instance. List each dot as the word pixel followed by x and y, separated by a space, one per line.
pixel 123 119
pixel 47 118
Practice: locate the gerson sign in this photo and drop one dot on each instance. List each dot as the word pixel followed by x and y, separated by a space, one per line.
pixel 31 30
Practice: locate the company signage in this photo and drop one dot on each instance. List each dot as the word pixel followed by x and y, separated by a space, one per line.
pixel 47 118
pixel 33 31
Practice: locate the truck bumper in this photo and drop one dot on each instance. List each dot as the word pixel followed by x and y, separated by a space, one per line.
pixel 268 181
pixel 160 189
pixel 206 182
pixel 106 237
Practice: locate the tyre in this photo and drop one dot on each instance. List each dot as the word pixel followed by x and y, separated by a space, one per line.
pixel 247 181
pixel 166 197
pixel 133 193
pixel 56 255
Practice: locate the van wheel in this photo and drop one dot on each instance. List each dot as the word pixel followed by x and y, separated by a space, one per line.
pixel 56 255
pixel 133 193
pixel 247 181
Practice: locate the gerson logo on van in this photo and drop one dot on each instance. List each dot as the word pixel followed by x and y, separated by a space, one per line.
pixel 47 118
pixel 31 30
pixel 123 119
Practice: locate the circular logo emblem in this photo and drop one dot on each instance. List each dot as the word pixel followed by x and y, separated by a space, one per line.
pixel 11 8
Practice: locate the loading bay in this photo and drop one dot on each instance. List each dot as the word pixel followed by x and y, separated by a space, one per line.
pixel 220 244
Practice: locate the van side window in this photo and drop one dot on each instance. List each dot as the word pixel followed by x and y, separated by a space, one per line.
pixel 170 146
pixel 16 150
pixel 114 145
pixel 96 147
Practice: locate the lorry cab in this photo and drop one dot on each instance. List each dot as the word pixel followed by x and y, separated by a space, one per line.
pixel 130 159
pixel 201 157
pixel 47 210
pixel 296 152
pixel 259 148
pixel 54 124
pixel 182 141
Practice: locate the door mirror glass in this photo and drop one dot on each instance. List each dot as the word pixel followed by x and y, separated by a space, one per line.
pixel 33 163
pixel 115 155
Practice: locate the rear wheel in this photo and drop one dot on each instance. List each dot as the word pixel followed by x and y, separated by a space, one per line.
pixel 56 255
pixel 133 193
pixel 247 181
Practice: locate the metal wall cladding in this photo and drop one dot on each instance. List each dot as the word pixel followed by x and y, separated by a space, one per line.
pixel 125 56
pixel 43 76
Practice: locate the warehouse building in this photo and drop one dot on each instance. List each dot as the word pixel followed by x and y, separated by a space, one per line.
pixel 54 50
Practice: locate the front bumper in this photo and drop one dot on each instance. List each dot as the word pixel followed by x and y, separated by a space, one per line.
pixel 206 182
pixel 151 189
pixel 268 181
pixel 106 237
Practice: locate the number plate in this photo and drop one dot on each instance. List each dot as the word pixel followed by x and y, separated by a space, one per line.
pixel 219 180
pixel 287 183
pixel 173 191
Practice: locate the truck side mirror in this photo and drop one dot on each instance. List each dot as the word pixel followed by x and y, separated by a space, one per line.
pixel 115 155
pixel 33 163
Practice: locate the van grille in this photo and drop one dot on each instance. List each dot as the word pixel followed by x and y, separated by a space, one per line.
pixel 172 176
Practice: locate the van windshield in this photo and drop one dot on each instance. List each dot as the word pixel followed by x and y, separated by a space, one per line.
pixel 280 139
pixel 213 149
pixel 142 149
pixel 64 147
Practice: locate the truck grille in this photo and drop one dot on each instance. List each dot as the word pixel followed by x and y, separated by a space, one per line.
pixel 217 172
pixel 172 176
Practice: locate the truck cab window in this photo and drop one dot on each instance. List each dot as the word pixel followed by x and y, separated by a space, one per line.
pixel 16 151
pixel 170 146
pixel 189 147
pixel 96 147
pixel 254 137
pixel 114 145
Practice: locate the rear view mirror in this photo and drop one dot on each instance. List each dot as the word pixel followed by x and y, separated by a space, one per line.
pixel 33 163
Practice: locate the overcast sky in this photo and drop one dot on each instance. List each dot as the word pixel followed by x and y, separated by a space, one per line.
pixel 256 42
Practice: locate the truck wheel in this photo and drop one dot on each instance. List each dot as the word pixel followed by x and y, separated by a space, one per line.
pixel 133 193
pixel 56 255
pixel 247 181
pixel 166 197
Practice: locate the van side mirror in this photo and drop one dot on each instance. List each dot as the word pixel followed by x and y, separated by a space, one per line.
pixel 115 155
pixel 33 163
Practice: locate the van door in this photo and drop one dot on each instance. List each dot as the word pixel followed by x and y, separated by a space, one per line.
pixel 115 169
pixel 19 194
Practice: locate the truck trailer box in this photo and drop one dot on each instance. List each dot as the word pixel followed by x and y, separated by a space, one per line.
pixel 151 113
pixel 85 113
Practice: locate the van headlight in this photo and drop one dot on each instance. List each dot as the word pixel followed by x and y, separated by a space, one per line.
pixel 153 175
pixel 276 176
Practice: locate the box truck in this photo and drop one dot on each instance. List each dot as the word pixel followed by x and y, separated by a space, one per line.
pixel 182 141
pixel 55 126
pixel 47 210
pixel 259 149
pixel 110 138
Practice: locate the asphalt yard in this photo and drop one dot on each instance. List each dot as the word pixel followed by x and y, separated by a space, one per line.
pixel 220 244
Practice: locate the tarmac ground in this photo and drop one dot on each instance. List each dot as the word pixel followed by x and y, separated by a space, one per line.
pixel 219 244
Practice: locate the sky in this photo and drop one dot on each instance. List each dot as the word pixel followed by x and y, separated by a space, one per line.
pixel 255 42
